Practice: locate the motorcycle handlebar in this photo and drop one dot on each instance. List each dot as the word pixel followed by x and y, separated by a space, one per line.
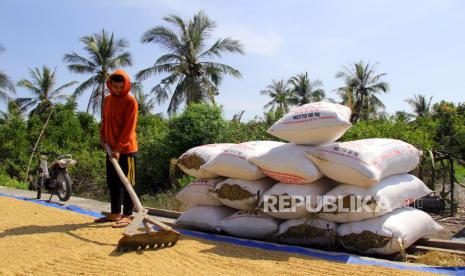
pixel 47 152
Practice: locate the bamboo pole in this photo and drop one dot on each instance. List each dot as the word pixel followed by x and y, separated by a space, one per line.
pixel 37 143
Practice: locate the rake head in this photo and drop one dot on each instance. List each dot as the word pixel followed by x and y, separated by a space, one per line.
pixel 152 240
pixel 134 239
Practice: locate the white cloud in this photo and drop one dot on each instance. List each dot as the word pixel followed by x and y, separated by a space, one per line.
pixel 254 41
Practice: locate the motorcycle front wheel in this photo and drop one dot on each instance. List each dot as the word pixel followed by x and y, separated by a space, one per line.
pixel 63 185
pixel 40 185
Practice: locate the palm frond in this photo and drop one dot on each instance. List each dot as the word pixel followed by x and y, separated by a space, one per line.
pixel 226 69
pixel 29 86
pixel 156 69
pixel 164 37
pixel 79 60
pixel 192 77
pixel 122 60
pixel 61 88
pixel 228 45
pixel 363 83
pixel 85 85
pixel 6 83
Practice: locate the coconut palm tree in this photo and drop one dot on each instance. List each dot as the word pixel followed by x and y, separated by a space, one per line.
pixel 146 103
pixel 365 84
pixel 238 116
pixel 306 91
pixel 421 106
pixel 192 75
pixel 402 117
pixel 281 97
pixel 104 53
pixel 42 85
pixel 13 111
pixel 347 96
pixel 6 85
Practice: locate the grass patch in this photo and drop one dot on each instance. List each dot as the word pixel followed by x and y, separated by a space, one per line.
pixel 164 200
pixel 459 173
pixel 436 258
pixel 7 181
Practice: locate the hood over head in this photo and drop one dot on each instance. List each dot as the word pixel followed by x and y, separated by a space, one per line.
pixel 127 82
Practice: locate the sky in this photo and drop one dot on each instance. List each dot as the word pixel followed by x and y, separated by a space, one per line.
pixel 419 44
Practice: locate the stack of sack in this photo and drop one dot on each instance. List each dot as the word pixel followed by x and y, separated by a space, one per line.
pixel 230 190
pixel 372 204
pixel 255 189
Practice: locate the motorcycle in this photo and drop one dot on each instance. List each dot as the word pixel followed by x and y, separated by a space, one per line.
pixel 55 178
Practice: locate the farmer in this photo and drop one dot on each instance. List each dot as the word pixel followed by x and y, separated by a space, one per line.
pixel 119 119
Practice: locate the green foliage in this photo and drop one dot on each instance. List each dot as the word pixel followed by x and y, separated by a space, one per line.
pixel 184 180
pixel 7 181
pixel 76 133
pixel 199 124
pixel 14 148
pixel 193 74
pixel 105 53
pixel 88 175
pixel 42 85
pixel 7 87
pixel 417 133
pixel 164 200
pixel 162 140
pixel 361 89
pixel 66 132
pixel 153 159
pixel 282 96
pixel 459 173
pixel 450 130
pixel 305 90
pixel 251 131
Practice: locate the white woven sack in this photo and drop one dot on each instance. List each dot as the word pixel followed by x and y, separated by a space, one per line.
pixel 200 192
pixel 291 201
pixel 393 192
pixel 250 224
pixel 313 124
pixel 242 194
pixel 191 161
pixel 388 234
pixel 364 162
pixel 287 164
pixel 204 217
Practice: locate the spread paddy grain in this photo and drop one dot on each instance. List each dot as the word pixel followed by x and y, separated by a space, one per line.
pixel 40 240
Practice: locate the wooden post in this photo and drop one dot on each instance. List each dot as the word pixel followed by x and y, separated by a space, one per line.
pixel 433 175
pixel 453 205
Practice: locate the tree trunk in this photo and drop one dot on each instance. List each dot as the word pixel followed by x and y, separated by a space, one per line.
pixel 102 91
pixel 356 111
pixel 453 205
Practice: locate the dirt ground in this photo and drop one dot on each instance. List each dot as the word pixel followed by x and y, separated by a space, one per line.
pixel 454 227
pixel 40 240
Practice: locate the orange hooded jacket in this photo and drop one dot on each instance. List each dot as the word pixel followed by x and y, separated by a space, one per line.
pixel 120 118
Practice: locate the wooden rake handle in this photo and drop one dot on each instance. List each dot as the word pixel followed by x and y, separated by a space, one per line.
pixel 135 199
